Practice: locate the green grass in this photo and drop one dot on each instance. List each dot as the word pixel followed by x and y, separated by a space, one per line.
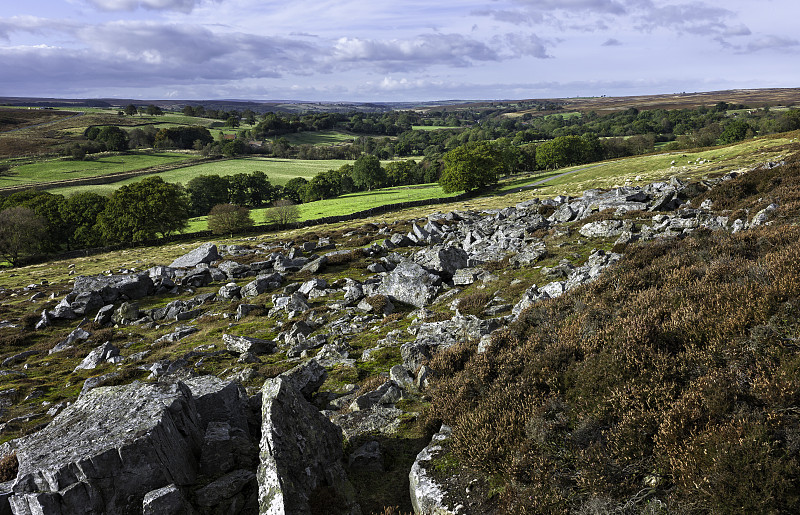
pixel 61 169
pixel 345 204
pixel 431 127
pixel 319 137
pixel 279 171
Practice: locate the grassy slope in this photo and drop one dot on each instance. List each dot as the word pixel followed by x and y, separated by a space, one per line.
pixel 62 169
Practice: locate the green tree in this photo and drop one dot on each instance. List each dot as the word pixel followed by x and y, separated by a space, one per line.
pixel 48 207
pixel 206 191
pixel 368 173
pixel 80 213
pixel 113 137
pixel 131 110
pixel 144 210
pixel 229 219
pixel 563 151
pixel 399 173
pixel 21 232
pixel 154 110
pixel 293 187
pixel 469 167
pixel 734 131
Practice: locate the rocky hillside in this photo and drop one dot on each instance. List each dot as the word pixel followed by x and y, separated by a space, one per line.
pixel 308 375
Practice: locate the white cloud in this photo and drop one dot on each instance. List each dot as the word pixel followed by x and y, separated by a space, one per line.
pixel 424 50
pixel 183 6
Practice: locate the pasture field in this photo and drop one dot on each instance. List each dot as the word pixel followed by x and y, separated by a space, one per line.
pixel 346 204
pixel 329 137
pixel 431 127
pixel 279 171
pixel 66 168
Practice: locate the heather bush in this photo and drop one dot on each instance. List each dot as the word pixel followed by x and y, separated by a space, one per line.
pixel 671 382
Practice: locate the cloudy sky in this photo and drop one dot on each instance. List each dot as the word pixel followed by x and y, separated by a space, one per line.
pixel 378 50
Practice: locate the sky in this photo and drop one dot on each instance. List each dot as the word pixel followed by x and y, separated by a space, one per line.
pixel 403 50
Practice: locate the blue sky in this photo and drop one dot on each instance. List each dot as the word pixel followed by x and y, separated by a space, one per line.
pixel 374 50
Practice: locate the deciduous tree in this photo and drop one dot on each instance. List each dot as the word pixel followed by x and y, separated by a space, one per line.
pixel 229 219
pixel 21 233
pixel 469 167
pixel 282 213
pixel 368 173
pixel 144 210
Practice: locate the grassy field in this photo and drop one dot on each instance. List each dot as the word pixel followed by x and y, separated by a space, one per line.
pixel 431 127
pixel 345 204
pixel 324 138
pixel 61 169
pixel 279 172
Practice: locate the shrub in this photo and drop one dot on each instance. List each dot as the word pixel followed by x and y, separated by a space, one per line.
pixel 9 465
pixel 674 371
pixel 229 219
pixel 282 213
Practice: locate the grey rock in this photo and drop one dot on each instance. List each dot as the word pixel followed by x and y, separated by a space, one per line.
pixel 443 260
pixel 223 489
pixel 242 310
pixel 314 284
pixel 96 382
pixel 262 284
pixel 177 334
pixel 64 310
pixel 86 302
pixel 306 378
pixel 104 314
pixel 78 334
pixel 106 451
pixel 166 501
pixel 99 355
pixel 44 321
pixel 602 229
pixel 400 375
pixel 427 495
pixel 198 278
pixel 111 288
pixel 367 457
pixel 19 357
pixel 242 344
pixel 301 451
pixel 411 284
pixel 303 345
pixel 386 394
pixel 230 291
pixel 234 270
pixel 127 313
pixel 205 253
pixel 315 266
pixel 762 216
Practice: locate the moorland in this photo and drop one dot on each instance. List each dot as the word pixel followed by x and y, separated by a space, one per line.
pixel 605 313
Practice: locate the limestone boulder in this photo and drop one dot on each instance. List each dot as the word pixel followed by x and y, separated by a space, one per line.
pixel 301 453
pixel 411 284
pixel 205 253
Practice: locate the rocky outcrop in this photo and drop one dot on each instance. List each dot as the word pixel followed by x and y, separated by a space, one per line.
pixel 205 253
pixel 411 284
pixel 427 495
pixel 301 453
pixel 115 447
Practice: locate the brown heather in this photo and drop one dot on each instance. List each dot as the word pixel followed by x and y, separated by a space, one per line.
pixel 671 383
